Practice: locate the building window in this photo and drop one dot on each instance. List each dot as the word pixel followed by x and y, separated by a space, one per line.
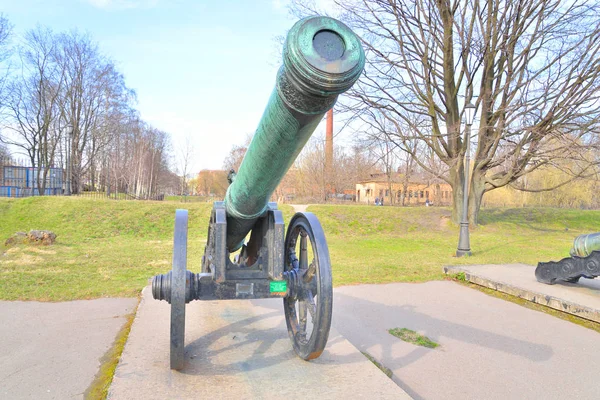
pixel 427 194
pixel 387 192
pixel 421 194
pixel 380 192
pixel 410 194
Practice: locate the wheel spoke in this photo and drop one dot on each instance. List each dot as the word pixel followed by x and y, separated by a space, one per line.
pixel 310 272
pixel 303 251
pixel 302 306
pixel 312 307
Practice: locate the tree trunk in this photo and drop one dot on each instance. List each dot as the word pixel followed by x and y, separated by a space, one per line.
pixel 476 196
pixel 457 179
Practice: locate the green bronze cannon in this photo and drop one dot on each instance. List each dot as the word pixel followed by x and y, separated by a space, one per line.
pixel 584 262
pixel 584 245
pixel 322 58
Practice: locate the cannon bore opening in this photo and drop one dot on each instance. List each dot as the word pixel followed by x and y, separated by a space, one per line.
pixel 329 45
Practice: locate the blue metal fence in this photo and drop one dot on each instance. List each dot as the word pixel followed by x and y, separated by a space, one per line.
pixel 18 181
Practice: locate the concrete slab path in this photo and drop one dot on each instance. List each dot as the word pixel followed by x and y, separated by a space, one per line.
pixel 299 207
pixel 239 349
pixel 53 350
pixel 489 348
pixel 581 299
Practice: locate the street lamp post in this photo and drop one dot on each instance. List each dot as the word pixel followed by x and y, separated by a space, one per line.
pixel 69 149
pixel 464 246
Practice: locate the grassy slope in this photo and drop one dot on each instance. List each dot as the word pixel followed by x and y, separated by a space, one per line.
pixel 104 247
pixel 111 248
pixel 384 244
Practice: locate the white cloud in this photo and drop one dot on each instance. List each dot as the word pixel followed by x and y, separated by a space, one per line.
pixel 122 4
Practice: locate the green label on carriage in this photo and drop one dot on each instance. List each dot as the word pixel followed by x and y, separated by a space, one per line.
pixel 278 286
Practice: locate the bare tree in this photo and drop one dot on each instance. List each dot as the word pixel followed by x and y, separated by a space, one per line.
pixel 92 89
pixel 4 153
pixel 65 85
pixel 212 182
pixel 362 164
pixel 236 155
pixel 185 159
pixel 531 67
pixel 5 51
pixel 140 159
pixel 33 104
pixel 5 34
pixel 307 176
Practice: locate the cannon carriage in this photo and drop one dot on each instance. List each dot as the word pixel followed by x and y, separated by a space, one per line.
pixel 322 58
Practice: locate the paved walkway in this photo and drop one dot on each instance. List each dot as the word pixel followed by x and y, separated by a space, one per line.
pixel 53 350
pixel 239 349
pixel 299 207
pixel 489 348
pixel 581 299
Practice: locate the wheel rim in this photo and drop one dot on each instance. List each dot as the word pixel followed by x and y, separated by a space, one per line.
pixel 178 276
pixel 308 268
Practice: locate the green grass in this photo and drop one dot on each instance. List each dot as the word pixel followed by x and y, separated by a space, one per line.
pixel 104 248
pixel 98 389
pixel 191 199
pixel 111 248
pixel 413 337
pixel 388 372
pixel 393 244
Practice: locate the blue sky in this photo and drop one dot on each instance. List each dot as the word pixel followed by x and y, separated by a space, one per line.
pixel 200 68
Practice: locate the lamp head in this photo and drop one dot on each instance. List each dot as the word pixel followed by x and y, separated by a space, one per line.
pixel 469 113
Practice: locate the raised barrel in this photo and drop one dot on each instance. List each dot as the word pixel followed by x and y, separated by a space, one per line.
pixel 322 58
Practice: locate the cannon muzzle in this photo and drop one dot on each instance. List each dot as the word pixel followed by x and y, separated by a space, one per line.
pixel 583 245
pixel 322 58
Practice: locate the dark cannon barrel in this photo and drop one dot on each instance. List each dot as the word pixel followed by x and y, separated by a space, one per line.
pixel 322 58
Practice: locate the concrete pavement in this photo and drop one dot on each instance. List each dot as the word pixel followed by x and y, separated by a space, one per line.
pixel 581 299
pixel 53 350
pixel 489 348
pixel 239 349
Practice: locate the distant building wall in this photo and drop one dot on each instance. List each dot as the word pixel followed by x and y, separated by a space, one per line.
pixel 417 193
pixel 16 181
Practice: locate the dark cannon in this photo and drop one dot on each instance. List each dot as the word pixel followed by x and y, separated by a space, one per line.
pixel 584 262
pixel 322 58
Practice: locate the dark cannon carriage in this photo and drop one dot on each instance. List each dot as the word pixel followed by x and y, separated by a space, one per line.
pixel 322 58
pixel 583 263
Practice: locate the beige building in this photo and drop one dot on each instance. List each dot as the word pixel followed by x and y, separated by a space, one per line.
pixel 420 190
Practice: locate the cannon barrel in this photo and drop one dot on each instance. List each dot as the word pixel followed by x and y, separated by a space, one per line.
pixel 322 58
pixel 583 245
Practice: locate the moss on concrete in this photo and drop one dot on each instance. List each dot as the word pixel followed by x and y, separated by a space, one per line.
pixel 413 337
pixel 98 389
pixel 382 367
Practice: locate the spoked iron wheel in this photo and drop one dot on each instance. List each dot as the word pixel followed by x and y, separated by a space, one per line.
pixel 308 270
pixel 178 276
